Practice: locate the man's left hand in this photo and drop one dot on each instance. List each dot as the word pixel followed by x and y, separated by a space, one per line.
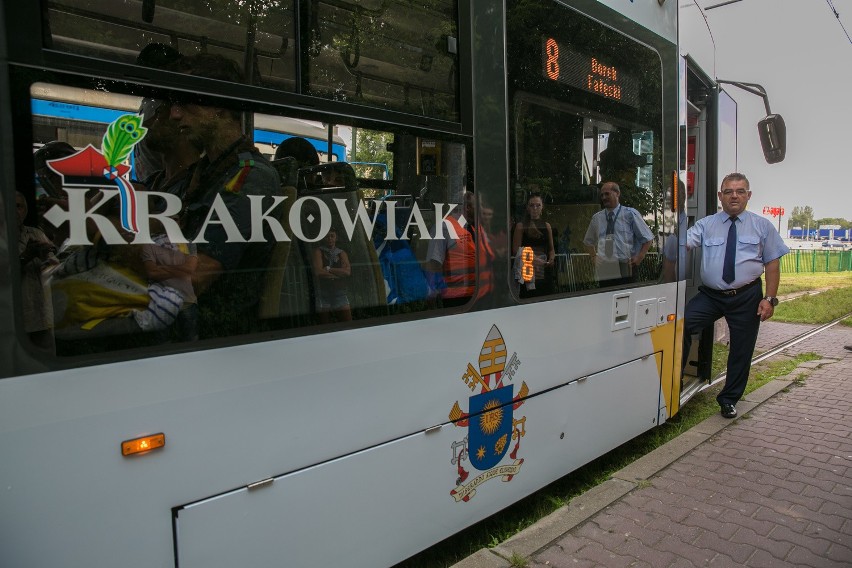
pixel 765 310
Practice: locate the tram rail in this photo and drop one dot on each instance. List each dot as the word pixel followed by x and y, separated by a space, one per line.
pixel 781 347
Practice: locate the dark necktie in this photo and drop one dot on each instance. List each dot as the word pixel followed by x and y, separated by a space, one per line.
pixel 730 252
pixel 610 230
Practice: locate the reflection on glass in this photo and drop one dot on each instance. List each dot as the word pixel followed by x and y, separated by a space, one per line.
pixel 395 55
pixel 587 110
pixel 224 242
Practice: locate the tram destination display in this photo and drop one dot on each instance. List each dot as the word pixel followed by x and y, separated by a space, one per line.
pixel 590 73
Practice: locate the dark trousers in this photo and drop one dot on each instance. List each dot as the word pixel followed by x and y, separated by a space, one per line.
pixel 740 311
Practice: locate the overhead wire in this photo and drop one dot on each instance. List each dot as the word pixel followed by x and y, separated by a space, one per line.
pixel 837 15
pixel 712 40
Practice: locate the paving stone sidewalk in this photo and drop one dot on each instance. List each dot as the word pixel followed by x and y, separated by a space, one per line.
pixel 772 488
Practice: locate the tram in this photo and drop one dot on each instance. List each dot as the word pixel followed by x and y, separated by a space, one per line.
pixel 281 428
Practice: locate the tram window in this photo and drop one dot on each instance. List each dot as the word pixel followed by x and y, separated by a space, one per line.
pixel 224 242
pixel 119 31
pixel 586 131
pixel 395 55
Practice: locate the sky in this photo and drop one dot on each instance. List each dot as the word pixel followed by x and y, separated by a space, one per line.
pixel 798 51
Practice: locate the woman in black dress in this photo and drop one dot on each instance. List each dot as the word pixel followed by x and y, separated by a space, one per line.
pixel 534 235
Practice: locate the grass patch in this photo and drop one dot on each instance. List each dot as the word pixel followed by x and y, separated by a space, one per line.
pixel 816 309
pixel 766 371
pixel 497 528
pixel 799 381
pixel 792 283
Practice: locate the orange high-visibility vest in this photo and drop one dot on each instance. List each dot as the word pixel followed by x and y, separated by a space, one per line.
pixel 460 263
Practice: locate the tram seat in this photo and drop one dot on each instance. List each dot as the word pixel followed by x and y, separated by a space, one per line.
pixel 288 171
pixel 277 300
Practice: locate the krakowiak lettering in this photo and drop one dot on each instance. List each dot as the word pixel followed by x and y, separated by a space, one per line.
pixel 79 214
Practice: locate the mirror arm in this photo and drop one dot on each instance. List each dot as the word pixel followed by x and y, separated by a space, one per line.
pixel 752 88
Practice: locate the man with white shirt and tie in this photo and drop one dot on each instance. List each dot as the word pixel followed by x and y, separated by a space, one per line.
pixel 617 239
pixel 737 247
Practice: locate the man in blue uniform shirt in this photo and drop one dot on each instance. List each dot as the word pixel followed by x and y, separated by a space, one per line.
pixel 617 239
pixel 737 247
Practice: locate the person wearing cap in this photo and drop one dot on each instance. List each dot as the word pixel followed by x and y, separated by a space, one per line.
pixel 737 248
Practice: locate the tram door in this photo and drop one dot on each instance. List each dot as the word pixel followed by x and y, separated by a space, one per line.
pixel 709 152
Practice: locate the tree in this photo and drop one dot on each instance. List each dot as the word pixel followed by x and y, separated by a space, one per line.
pixel 801 217
pixel 843 223
pixel 371 146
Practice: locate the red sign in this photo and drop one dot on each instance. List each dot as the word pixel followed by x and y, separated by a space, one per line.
pixel 774 211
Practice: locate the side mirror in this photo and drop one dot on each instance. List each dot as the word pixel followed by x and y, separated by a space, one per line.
pixel 773 138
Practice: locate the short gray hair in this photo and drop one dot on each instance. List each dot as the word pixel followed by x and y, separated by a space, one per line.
pixel 735 176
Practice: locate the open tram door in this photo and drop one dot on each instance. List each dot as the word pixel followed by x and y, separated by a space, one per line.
pixel 708 153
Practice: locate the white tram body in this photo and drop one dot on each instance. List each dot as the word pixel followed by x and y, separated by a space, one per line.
pixel 353 443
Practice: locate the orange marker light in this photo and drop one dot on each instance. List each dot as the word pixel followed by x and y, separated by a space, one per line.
pixel 670 317
pixel 142 445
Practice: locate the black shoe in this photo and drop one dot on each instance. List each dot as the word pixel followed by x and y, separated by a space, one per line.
pixel 848 347
pixel 729 411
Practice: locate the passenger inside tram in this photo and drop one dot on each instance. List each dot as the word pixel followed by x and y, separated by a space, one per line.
pixel 454 259
pixel 36 254
pixel 300 149
pixel 230 270
pixel 535 254
pixel 331 270
pixel 617 239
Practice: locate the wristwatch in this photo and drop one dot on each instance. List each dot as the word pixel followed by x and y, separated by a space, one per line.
pixel 772 300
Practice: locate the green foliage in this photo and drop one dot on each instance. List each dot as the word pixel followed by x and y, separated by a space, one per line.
pixel 844 224
pixel 801 217
pixel 371 146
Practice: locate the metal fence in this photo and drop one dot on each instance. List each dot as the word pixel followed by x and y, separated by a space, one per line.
pixel 576 272
pixel 803 260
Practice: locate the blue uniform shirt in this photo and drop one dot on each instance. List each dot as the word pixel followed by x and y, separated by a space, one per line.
pixel 631 232
pixel 758 243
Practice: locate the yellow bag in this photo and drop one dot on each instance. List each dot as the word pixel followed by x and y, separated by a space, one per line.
pixel 87 298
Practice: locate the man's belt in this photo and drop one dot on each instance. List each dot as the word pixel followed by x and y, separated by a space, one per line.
pixel 732 292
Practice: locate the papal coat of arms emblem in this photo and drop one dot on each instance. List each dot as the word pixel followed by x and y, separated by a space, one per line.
pixel 492 428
